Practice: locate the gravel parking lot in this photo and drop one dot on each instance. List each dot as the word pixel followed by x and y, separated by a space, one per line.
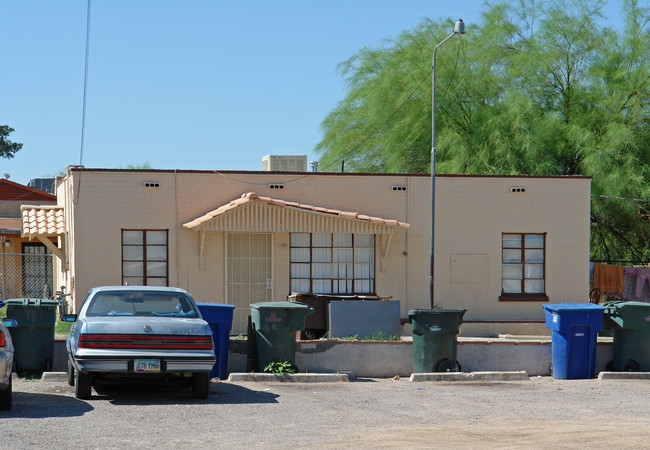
pixel 367 413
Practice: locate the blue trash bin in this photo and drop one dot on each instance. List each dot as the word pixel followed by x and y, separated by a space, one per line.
pixel 575 329
pixel 219 317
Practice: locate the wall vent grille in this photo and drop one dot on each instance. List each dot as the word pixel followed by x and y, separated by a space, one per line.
pixel 151 184
pixel 399 188
pixel 518 189
pixel 276 186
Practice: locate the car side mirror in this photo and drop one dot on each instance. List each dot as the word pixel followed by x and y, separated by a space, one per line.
pixel 69 318
pixel 10 323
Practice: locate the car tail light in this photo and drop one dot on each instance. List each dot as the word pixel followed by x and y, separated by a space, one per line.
pixel 145 341
pixel 3 339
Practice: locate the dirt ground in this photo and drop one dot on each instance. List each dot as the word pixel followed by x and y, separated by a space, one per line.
pixel 369 413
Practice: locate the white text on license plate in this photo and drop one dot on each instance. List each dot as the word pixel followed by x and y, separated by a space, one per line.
pixel 146 365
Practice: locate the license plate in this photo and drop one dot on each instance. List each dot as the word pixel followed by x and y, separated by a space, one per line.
pixel 146 365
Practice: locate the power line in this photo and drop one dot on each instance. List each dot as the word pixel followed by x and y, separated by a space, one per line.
pixel 363 139
pixel 621 198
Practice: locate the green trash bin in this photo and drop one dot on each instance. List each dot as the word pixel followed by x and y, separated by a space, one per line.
pixel 630 324
pixel 434 339
pixel 33 338
pixel 275 325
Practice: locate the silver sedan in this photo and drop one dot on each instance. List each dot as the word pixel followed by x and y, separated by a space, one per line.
pixel 6 362
pixel 139 332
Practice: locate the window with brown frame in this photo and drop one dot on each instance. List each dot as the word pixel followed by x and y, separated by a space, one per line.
pixel 145 257
pixel 523 267
pixel 333 263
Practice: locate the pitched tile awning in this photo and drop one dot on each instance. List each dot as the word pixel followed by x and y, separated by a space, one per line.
pixel 43 223
pixel 253 213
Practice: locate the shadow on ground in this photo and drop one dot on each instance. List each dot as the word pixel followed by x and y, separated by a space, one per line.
pixel 38 406
pixel 152 394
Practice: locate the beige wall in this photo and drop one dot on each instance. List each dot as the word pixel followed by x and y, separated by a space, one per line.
pixel 471 214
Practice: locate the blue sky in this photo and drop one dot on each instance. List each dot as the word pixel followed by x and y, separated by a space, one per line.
pixel 193 84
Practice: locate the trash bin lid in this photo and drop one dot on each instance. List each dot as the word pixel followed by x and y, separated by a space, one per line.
pixel 280 305
pixel 414 312
pixel 618 304
pixel 31 302
pixel 215 306
pixel 558 307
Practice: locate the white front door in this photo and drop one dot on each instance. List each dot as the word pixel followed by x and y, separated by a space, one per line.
pixel 249 271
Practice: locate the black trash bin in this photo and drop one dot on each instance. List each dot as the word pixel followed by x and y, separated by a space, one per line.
pixel 275 325
pixel 33 338
pixel 434 339
pixel 630 323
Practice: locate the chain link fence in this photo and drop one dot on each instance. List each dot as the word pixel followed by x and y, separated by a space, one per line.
pixel 26 275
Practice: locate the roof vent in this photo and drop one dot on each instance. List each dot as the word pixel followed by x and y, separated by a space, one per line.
pixel 151 184
pixel 276 186
pixel 399 188
pixel 518 189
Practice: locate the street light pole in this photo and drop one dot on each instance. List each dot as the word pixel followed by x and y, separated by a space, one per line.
pixel 459 28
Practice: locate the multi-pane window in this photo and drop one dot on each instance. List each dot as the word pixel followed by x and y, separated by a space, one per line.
pixel 333 263
pixel 522 268
pixel 144 257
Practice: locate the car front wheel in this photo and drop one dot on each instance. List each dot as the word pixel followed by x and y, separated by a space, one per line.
pixel 201 385
pixel 5 397
pixel 82 384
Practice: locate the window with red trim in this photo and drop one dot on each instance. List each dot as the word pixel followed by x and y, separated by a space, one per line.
pixel 523 266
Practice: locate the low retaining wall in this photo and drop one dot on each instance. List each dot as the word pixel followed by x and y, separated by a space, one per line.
pixel 387 359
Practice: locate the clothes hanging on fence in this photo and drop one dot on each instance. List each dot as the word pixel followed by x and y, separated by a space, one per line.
pixel 641 276
pixel 609 279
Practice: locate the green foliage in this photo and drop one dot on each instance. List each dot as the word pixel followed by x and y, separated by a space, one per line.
pixel 144 165
pixel 8 149
pixel 378 336
pixel 536 88
pixel 62 328
pixel 280 368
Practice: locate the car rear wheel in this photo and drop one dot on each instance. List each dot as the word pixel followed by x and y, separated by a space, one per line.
pixel 82 384
pixel 5 397
pixel 201 385
pixel 70 372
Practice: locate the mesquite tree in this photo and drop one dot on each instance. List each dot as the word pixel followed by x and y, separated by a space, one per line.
pixel 534 88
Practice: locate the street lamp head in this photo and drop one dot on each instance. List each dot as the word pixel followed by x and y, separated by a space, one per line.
pixel 459 28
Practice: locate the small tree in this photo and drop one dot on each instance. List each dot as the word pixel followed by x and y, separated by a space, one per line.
pixel 7 148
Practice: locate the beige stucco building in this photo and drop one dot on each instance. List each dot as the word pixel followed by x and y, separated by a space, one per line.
pixel 504 244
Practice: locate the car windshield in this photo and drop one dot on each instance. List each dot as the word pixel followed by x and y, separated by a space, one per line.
pixel 141 303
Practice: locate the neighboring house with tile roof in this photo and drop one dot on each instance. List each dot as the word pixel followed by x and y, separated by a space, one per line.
pixel 505 245
pixel 26 268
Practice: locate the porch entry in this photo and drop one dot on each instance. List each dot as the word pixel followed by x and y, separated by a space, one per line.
pixel 249 274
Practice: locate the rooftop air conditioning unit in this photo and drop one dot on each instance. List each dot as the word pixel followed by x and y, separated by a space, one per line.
pixel 284 163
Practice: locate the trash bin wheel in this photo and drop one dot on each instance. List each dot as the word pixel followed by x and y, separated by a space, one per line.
pixel 610 367
pixel 630 366
pixel 447 365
